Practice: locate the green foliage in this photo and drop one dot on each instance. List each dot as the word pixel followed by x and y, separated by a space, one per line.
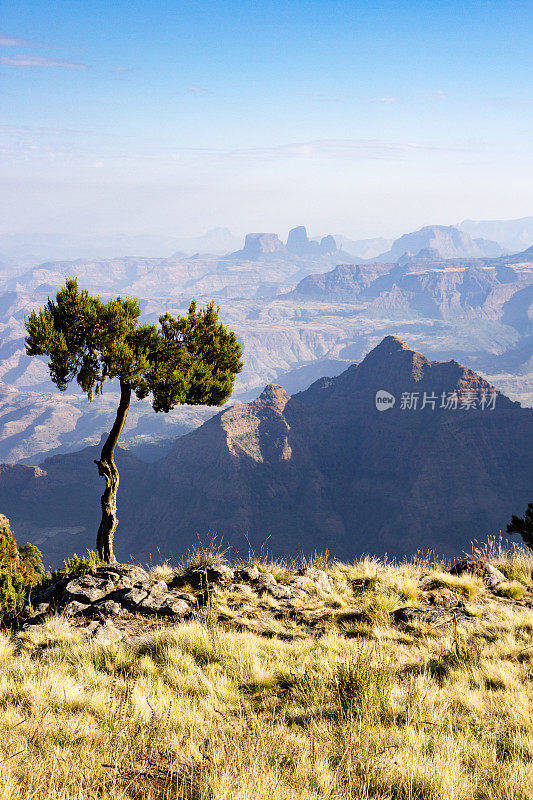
pixel 192 359
pixel 20 569
pixel 13 586
pixel 74 567
pixel 9 556
pixel 523 526
pixel 31 562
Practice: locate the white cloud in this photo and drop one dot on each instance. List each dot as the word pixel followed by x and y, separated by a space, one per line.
pixel 386 100
pixel 40 61
pixel 342 148
pixel 10 41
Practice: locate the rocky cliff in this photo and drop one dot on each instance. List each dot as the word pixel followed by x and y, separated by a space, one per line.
pixel 449 460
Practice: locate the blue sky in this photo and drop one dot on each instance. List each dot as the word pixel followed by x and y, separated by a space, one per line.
pixel 363 118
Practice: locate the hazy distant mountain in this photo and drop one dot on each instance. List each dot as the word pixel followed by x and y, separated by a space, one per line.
pixel 480 309
pixel 362 248
pixel 259 245
pixel 429 286
pixel 29 249
pixel 513 235
pixel 323 469
pixel 448 241
pixel 217 241
pixel 299 243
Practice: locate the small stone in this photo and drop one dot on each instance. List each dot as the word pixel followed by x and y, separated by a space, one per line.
pixel 241 588
pixel 278 592
pixel 250 573
pixel 74 608
pixel 265 579
pixel 134 596
pixel 106 633
pixel 317 576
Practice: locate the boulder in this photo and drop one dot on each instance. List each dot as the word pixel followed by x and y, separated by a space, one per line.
pixel 104 633
pixel 317 576
pixel 491 576
pixel 265 579
pixel 278 591
pixel 435 617
pixel 88 589
pixel 250 573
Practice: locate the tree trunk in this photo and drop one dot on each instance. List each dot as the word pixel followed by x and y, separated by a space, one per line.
pixel 108 470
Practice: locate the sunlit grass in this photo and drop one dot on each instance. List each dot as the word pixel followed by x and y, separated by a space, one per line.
pixel 316 697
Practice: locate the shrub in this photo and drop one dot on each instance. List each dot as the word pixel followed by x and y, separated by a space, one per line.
pixel 513 590
pixel 74 567
pixel 13 588
pixel 361 683
pixel 20 569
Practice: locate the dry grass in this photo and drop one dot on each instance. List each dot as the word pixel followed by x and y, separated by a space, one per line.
pixel 320 697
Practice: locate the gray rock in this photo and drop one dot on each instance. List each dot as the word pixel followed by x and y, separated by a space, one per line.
pixel 207 576
pixel 241 588
pixel 264 579
pixel 165 604
pixel 88 589
pixel 134 596
pixel 108 608
pixel 492 577
pixel 250 573
pixel 74 608
pixel 435 617
pixel 301 584
pixel 279 591
pixel 122 575
pixel 187 596
pixel 104 633
pixel 316 576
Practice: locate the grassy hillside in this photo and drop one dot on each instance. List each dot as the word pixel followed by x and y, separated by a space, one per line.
pixel 321 696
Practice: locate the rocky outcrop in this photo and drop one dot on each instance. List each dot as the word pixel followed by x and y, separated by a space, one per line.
pixel 436 617
pixel 258 245
pixel 105 602
pixel 491 576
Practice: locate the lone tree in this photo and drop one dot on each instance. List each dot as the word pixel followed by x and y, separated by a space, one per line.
pixel 523 526
pixel 191 359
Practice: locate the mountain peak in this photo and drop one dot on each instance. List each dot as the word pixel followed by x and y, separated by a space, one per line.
pixel 274 396
pixel 391 344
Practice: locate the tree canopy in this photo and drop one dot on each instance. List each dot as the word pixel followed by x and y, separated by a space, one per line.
pixel 191 359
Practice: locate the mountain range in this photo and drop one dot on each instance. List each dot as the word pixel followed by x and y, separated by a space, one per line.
pixel 327 468
pixel 300 308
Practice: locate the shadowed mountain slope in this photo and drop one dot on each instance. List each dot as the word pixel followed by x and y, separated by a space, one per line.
pixel 322 469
